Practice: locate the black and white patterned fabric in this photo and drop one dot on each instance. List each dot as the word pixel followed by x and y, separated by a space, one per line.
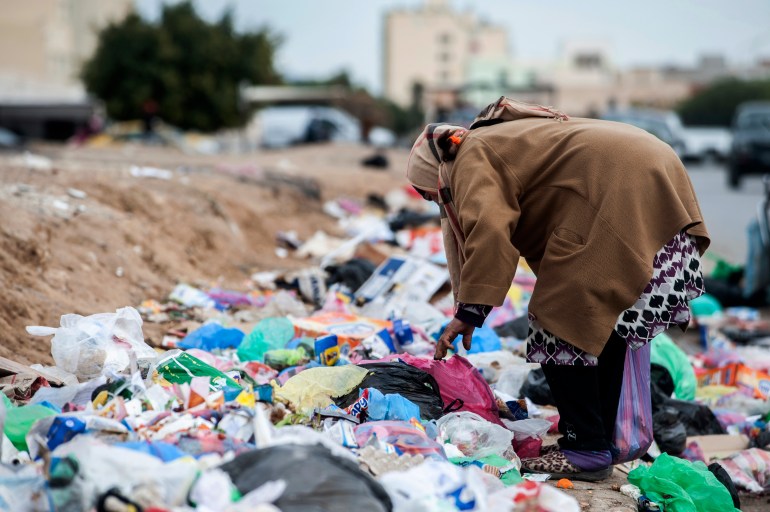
pixel 677 278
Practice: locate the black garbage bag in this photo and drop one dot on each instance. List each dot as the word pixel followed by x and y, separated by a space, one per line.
pixel 698 420
pixel 718 471
pixel 411 219
pixel 353 273
pixel 536 388
pixel 661 384
pixel 376 161
pixel 395 377
pixel 316 480
pixel 518 328
pixel 668 431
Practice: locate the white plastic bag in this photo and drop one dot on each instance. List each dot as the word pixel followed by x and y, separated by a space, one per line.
pixel 473 435
pixel 532 496
pixel 93 345
pixel 523 429
pixel 512 378
pixel 435 486
pixel 493 364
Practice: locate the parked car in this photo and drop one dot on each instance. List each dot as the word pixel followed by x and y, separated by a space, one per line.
pixel 706 142
pixel 285 126
pixel 664 124
pixel 750 152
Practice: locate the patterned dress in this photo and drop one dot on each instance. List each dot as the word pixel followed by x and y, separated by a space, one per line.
pixel 677 278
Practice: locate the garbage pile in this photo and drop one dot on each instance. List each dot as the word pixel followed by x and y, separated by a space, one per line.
pixel 317 390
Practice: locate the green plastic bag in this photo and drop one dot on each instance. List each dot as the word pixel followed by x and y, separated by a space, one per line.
pixel 19 421
pixel 282 358
pixel 687 486
pixel 705 305
pixel 269 334
pixel 181 367
pixel 667 354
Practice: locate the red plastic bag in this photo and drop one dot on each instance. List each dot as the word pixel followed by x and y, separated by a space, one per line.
pixel 460 383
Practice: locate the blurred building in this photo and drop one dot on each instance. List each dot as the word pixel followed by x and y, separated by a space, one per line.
pixel 430 50
pixel 450 64
pixel 43 44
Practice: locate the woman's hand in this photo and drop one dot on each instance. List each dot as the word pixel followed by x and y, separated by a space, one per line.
pixel 453 329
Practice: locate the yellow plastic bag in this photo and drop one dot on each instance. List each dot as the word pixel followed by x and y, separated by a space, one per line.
pixel 315 387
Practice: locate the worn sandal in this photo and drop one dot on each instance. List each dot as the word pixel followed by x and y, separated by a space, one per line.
pixel 556 464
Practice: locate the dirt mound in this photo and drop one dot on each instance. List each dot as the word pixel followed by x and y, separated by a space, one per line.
pixel 87 236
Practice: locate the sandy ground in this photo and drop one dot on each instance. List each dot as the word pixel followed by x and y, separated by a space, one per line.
pixel 129 238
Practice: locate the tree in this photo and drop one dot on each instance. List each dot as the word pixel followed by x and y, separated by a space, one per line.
pixel 715 105
pixel 188 69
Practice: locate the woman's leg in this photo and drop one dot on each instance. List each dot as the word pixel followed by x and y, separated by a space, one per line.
pixel 611 364
pixel 587 398
pixel 576 390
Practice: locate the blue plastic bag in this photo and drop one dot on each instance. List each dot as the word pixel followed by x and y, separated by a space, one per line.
pixel 212 336
pixel 390 407
pixel 485 339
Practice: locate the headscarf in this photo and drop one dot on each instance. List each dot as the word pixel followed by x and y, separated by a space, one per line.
pixel 432 158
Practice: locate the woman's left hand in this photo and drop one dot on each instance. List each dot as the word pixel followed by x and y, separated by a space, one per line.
pixel 452 330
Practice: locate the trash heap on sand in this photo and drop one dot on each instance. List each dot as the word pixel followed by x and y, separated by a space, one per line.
pixel 317 390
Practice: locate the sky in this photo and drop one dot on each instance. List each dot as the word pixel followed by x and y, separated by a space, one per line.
pixel 321 38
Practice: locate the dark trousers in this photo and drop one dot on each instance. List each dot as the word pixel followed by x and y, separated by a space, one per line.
pixel 587 398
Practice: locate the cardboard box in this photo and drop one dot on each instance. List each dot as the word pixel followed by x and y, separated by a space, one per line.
pixel 720 446
pixel 755 381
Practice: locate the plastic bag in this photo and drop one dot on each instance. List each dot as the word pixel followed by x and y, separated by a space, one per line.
pixel 212 336
pixel 406 437
pixel 473 435
pixel 533 428
pixel 282 358
pixel 23 489
pixel 88 346
pixel 532 496
pixel 315 479
pixel 678 485
pixel 460 383
pixel 390 407
pixel 315 387
pixel 180 367
pixel 512 379
pixel 396 377
pixel 749 469
pixel 484 339
pixel 269 334
pixel 19 421
pixel 492 364
pixel 86 469
pixel 633 426
pixel 536 388
pixel 668 431
pixel 528 436
pixel 667 354
pixel 439 487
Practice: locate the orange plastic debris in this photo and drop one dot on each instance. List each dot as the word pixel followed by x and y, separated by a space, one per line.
pixel 565 483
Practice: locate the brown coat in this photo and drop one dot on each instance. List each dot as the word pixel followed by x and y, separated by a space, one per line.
pixel 588 203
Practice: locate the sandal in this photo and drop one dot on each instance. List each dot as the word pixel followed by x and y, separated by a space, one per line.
pixel 556 464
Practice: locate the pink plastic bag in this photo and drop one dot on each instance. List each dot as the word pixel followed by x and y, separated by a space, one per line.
pixel 633 428
pixel 461 383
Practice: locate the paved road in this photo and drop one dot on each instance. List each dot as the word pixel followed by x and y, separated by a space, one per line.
pixel 727 212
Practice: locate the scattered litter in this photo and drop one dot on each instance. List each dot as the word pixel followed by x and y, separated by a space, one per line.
pixel 150 172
